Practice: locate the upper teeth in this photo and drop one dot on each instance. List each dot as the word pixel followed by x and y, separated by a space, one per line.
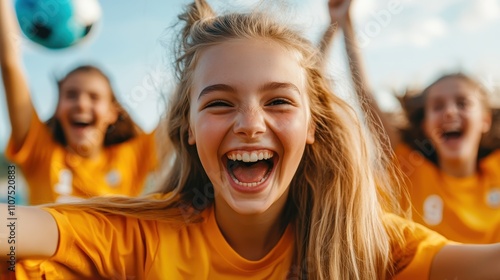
pixel 81 119
pixel 250 156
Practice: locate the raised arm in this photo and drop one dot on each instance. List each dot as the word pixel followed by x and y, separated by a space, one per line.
pixel 340 14
pixel 467 262
pixel 29 232
pixel 15 84
pixel 337 10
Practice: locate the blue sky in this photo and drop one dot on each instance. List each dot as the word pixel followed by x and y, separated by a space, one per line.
pixel 405 43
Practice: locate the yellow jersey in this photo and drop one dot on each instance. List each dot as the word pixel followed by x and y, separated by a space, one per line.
pixel 466 210
pixel 93 245
pixel 56 175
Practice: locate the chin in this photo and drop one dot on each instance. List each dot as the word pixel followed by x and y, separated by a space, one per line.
pixel 250 207
pixel 459 155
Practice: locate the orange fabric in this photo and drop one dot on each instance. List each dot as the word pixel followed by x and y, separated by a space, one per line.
pixel 98 246
pixel 54 175
pixel 420 246
pixel 466 210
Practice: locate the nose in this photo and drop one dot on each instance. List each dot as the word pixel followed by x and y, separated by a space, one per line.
pixel 250 123
pixel 82 102
pixel 450 110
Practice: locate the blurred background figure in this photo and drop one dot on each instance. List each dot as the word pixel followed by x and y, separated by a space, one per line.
pixel 90 146
pixel 453 175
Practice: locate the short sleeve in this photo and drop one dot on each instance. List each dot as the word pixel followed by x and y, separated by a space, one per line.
pixel 94 245
pixel 413 258
pixel 36 146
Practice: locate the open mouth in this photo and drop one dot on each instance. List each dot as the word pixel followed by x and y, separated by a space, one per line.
pixel 451 134
pixel 81 123
pixel 250 169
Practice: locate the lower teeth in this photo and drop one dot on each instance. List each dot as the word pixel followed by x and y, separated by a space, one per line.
pixel 249 185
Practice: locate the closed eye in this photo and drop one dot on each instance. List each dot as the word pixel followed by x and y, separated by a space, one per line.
pixel 437 107
pixel 71 94
pixel 217 103
pixel 279 101
pixel 463 103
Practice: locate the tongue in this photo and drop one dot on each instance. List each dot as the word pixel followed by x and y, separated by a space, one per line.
pixel 250 173
pixel 451 135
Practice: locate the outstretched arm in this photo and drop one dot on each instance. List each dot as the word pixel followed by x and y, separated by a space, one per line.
pixel 15 84
pixel 467 262
pixel 30 232
pixel 340 16
pixel 337 10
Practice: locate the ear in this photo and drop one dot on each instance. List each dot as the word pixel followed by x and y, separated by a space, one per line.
pixel 191 137
pixel 310 133
pixel 487 120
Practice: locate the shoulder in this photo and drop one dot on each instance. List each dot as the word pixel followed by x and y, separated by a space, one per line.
pixel 404 151
pixel 413 246
pixel 94 222
pixel 492 161
pixel 411 231
pixel 140 143
pixel 87 225
pixel 39 143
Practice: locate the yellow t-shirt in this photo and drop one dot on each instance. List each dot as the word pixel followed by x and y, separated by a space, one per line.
pixel 466 210
pixel 102 246
pixel 54 175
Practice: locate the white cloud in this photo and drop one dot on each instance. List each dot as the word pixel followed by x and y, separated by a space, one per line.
pixel 415 23
pixel 477 14
pixel 429 7
pixel 362 9
pixel 422 33
pixel 418 33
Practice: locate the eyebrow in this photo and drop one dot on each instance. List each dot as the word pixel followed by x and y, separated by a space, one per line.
pixel 266 87
pixel 277 85
pixel 216 87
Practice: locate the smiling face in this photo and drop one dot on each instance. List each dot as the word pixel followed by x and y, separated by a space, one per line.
pixel 250 121
pixel 455 119
pixel 85 110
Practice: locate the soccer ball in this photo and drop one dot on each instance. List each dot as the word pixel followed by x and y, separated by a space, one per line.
pixel 57 24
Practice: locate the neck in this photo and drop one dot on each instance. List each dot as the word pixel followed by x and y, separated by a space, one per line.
pixel 252 236
pixel 458 168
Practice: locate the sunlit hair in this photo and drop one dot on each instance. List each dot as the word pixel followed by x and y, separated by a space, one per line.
pixel 122 130
pixel 339 193
pixel 413 104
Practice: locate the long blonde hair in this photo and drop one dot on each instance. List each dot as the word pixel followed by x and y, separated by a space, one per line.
pixel 340 191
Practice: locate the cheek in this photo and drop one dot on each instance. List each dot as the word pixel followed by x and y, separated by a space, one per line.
pixel 103 108
pixel 211 128
pixel 475 115
pixel 104 105
pixel 61 109
pixel 292 135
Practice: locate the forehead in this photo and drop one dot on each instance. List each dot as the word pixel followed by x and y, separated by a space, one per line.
pixel 247 63
pixel 86 81
pixel 452 88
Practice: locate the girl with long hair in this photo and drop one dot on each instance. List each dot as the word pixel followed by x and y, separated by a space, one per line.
pixel 274 177
pixel 452 178
pixel 89 147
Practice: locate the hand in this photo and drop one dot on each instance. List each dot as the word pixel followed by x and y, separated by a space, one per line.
pixel 339 11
